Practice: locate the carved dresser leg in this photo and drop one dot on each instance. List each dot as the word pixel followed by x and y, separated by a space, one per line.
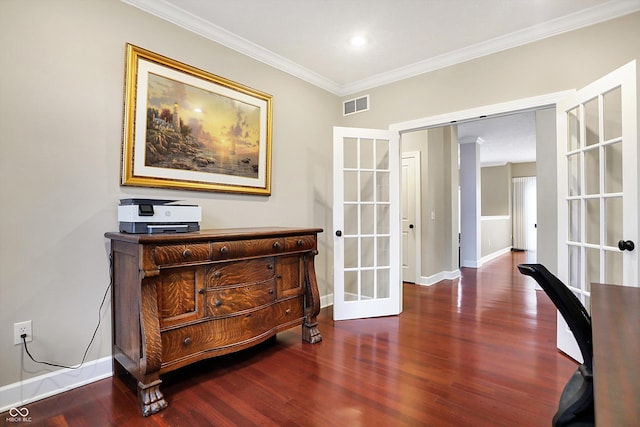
pixel 310 332
pixel 150 398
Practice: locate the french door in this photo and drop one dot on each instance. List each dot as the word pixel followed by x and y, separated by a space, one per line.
pixel 597 189
pixel 366 219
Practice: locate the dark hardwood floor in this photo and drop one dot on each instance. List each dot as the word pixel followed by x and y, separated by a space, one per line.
pixel 479 351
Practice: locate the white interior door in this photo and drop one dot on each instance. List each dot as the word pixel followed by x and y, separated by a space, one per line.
pixel 366 218
pixel 409 177
pixel 597 189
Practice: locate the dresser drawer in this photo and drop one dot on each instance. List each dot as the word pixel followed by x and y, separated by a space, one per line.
pixel 224 301
pixel 299 243
pixel 247 248
pixel 179 254
pixel 221 334
pixel 177 295
pixel 246 271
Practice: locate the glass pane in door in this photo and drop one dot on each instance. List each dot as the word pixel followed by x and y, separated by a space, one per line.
pixel 575 266
pixel 574 220
pixel 613 214
pixel 613 268
pixel 592 220
pixel 612 112
pixel 593 268
pixel 613 168
pixel 592 164
pixel 573 129
pixel 350 153
pixel 575 175
pixel 383 284
pixel 351 286
pixel 591 122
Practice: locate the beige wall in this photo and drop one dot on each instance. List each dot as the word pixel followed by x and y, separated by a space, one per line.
pixel 438 174
pixel 523 169
pixel 496 235
pixel 496 190
pixel 61 118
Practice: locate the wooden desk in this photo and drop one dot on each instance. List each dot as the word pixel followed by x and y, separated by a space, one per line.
pixel 615 316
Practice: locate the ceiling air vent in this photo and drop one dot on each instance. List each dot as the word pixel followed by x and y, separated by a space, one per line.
pixel 356 105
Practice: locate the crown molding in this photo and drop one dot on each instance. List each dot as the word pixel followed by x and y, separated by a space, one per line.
pixel 206 29
pixel 594 15
pixel 600 13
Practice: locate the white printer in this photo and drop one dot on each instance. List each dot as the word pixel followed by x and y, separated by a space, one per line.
pixel 157 216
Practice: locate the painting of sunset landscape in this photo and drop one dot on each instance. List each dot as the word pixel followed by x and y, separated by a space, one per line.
pixel 192 129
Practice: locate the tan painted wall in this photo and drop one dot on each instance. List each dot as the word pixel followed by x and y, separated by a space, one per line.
pixel 61 100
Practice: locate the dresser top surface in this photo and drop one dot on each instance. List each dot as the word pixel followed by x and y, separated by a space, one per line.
pixel 213 234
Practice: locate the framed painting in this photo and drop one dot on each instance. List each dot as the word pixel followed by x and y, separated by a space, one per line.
pixel 185 128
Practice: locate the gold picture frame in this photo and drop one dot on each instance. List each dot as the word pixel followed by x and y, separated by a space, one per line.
pixel 185 128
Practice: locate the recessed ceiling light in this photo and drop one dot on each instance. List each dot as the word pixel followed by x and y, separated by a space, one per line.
pixel 358 41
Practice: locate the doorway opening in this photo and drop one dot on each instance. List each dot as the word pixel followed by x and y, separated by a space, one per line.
pixel 543 110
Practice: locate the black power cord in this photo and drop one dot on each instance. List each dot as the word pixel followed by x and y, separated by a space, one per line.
pixel 93 337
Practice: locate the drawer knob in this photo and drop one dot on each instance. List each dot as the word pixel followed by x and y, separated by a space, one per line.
pixel 287 311
pixel 279 276
pixel 187 341
pixel 186 253
pixel 270 291
pixel 300 242
pixel 218 303
pixel 276 245
pixel 270 266
pixel 224 250
pixel 217 274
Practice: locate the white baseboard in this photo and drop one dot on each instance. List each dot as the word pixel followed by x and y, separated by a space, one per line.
pixel 486 258
pixel 326 301
pixel 435 278
pixel 496 254
pixel 21 393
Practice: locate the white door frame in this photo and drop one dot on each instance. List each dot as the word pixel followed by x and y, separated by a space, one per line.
pixel 533 103
pixel 456 117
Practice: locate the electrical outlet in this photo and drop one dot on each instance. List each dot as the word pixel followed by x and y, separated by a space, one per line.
pixel 22 328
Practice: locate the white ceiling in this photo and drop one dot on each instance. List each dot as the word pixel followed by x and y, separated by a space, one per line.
pixel 510 138
pixel 310 40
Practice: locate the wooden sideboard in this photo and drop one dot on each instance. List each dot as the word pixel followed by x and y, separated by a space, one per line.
pixel 180 298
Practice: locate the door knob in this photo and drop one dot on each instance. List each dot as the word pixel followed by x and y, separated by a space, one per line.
pixel 410 225
pixel 626 245
pixel 339 233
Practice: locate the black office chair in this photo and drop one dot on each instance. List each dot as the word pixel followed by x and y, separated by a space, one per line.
pixel 576 402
